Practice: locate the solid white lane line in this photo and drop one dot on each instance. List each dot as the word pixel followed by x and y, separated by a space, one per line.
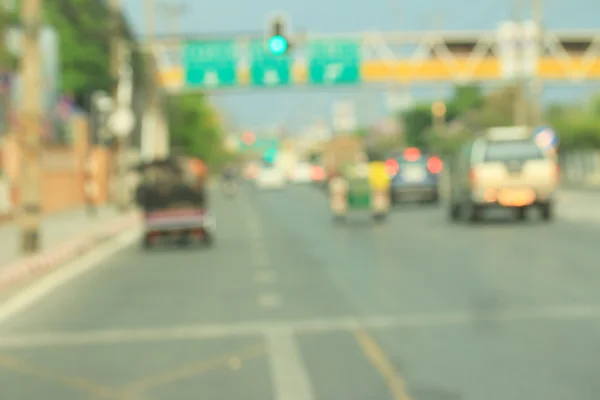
pixel 289 376
pixel 26 298
pixel 309 326
pixel 260 255
pixel 269 300
pixel 265 276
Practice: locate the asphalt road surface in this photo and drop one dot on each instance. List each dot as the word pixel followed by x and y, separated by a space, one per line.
pixel 288 306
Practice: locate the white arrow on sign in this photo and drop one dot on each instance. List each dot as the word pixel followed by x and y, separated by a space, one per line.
pixel 333 72
pixel 122 122
pixel 211 78
pixel 271 77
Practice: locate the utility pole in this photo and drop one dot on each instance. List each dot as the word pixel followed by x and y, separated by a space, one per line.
pixel 438 108
pixel 520 106
pixel 537 13
pixel 173 12
pixel 116 49
pixel 6 69
pixel 150 116
pixel 30 127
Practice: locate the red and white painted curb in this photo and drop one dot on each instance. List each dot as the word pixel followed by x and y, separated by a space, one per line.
pixel 41 263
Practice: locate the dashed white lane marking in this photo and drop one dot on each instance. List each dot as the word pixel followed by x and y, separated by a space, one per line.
pixel 269 300
pixel 344 324
pixel 260 255
pixel 289 376
pixel 265 276
pixel 29 296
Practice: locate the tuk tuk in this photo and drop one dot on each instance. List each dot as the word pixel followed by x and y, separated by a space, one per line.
pixel 360 186
pixel 174 200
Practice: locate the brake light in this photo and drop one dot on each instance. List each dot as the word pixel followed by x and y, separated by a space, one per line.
pixel 435 165
pixel 318 173
pixel 412 154
pixel 472 176
pixel 392 167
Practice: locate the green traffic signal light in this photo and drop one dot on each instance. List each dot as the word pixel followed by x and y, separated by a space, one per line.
pixel 269 155
pixel 278 45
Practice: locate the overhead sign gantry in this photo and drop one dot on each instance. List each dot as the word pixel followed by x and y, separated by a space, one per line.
pixel 278 58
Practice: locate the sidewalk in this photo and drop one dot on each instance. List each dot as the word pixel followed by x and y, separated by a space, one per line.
pixel 63 237
pixel 55 229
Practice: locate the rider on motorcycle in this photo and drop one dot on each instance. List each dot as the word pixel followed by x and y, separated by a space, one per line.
pixel 229 174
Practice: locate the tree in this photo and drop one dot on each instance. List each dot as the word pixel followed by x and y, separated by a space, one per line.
pixel 464 99
pixel 82 27
pixel 416 122
pixel 195 127
pixel 8 62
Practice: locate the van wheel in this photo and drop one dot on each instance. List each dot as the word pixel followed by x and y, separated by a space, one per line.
pixel 475 213
pixel 209 239
pixel 521 213
pixel 379 217
pixel 146 242
pixel 546 211
pixel 339 218
pixel 454 212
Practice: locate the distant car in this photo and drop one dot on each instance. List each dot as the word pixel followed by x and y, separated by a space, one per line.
pixel 251 171
pixel 415 177
pixel 317 175
pixel 302 173
pixel 270 177
pixel 505 168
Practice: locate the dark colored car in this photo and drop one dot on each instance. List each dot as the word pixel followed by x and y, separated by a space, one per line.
pixel 415 176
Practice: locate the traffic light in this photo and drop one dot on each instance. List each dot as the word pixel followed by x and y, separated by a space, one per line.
pixel 278 42
pixel 248 138
pixel 269 155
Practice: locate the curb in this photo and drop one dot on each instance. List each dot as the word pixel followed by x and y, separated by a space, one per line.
pixel 38 264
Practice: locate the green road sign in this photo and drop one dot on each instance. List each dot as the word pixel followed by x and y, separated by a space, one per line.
pixel 210 64
pixel 334 62
pixel 267 69
pixel 262 144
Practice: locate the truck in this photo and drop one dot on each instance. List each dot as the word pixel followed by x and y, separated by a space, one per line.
pixel 174 201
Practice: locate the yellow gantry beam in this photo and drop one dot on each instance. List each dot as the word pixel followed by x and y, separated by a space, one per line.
pixel 489 69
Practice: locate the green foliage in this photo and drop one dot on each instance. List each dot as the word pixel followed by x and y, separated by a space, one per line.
pixel 362 132
pixel 8 61
pixel 465 98
pixel 448 144
pixel 472 110
pixel 416 122
pixel 83 28
pixel 577 129
pixel 195 127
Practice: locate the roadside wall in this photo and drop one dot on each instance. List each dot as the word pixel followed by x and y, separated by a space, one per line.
pixel 63 171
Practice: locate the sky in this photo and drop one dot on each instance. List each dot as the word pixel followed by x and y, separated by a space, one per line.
pixel 295 108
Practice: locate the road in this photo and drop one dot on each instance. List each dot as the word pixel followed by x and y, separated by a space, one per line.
pixel 288 306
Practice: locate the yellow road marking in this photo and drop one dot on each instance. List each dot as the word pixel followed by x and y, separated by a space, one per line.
pixel 376 355
pixel 235 363
pixel 83 385
pixel 194 369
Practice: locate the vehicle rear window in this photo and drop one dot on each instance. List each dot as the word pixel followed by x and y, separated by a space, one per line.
pixel 512 150
pixel 420 161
